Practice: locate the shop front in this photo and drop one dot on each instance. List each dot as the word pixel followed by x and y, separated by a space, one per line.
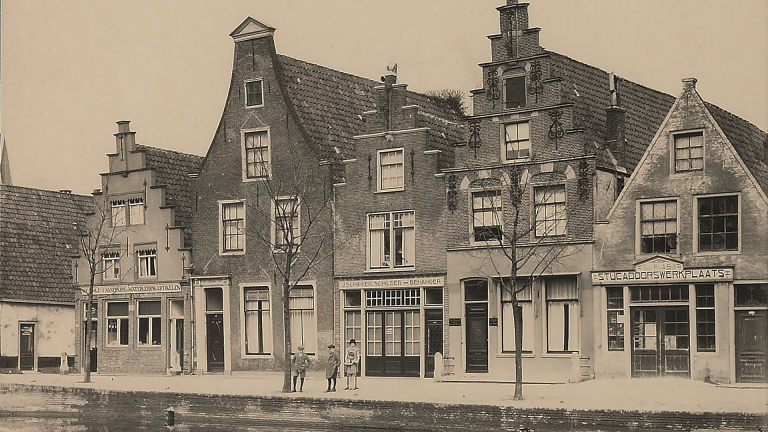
pixel 662 319
pixel 396 322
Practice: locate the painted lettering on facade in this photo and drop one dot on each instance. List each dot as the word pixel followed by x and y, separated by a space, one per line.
pixel 393 283
pixel 690 275
pixel 136 289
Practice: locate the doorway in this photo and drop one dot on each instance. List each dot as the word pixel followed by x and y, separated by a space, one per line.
pixel 214 329
pixel 26 346
pixel 393 341
pixel 433 335
pixel 751 345
pixel 476 317
pixel 92 351
pixel 176 336
pixel 660 341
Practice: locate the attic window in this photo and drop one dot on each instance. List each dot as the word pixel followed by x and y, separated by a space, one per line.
pixel 254 93
pixel 689 152
pixel 514 92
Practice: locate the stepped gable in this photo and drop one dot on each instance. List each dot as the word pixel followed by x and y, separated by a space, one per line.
pixel 172 170
pixel 645 108
pixel 747 139
pixel 330 103
pixel 38 242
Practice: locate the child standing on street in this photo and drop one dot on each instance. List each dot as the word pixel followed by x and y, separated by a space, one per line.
pixel 350 370
pixel 332 370
pixel 299 364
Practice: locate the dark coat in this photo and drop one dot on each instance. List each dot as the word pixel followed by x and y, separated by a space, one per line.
pixel 333 364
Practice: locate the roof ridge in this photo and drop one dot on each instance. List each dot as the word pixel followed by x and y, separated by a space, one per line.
pixel 45 190
pixel 140 146
pixel 738 117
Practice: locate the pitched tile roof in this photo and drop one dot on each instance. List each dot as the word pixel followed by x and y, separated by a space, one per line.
pixel 329 103
pixel 37 243
pixel 645 108
pixel 747 139
pixel 172 170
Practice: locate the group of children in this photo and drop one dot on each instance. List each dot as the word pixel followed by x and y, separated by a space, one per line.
pixel 300 363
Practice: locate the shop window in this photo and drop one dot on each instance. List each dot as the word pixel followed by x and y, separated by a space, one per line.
pixel 718 223
pixel 525 300
pixel 689 152
pixel 514 92
pixel 393 297
pixel 287 223
pixel 705 317
pixel 301 308
pixel 149 323
pixel 353 328
pixel 110 262
pixel 256 155
pixel 615 313
pixel 663 293
pixel 233 227
pixel 550 210
pixel 254 93
pixel 258 324
pixel 562 314
pixel 117 323
pixel 658 227
pixel 374 334
pixel 391 170
pixel 412 333
pixel 750 295
pixel 147 262
pixel 517 142
pixel 486 216
pixel 392 240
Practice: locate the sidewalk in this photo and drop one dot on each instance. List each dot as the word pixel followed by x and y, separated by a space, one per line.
pixel 649 394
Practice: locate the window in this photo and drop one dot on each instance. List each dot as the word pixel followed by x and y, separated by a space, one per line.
pixel 353 327
pixel 149 322
pixel 615 312
pixel 514 92
pixel 111 263
pixel 689 152
pixel 391 235
pixel 705 317
pixel 562 314
pixel 391 175
pixel 256 155
pixel 233 227
pixel 117 323
pixel 664 293
pixel 118 213
pixel 486 216
pixel 517 141
pixel 147 262
pixel 254 93
pixel 750 295
pixel 258 325
pixel 549 208
pixel 287 222
pixel 525 300
pixel 301 305
pixel 658 227
pixel 719 224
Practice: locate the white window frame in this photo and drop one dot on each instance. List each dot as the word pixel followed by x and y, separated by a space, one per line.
pixel 267 326
pixel 244 154
pixel 639 224
pixel 380 170
pixel 136 203
pixel 110 265
pixel 528 324
pixel 499 215
pixel 152 320
pixel 245 92
pixel 505 141
pixel 311 346
pixel 391 230
pixel 220 222
pixel 696 246
pixel 673 151
pixel 119 204
pixel 126 207
pixel 296 226
pixel 544 206
pixel 120 321
pixel 146 254
pixel 546 316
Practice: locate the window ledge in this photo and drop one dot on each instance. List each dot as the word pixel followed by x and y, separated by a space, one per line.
pixel 231 253
pixel 557 355
pixel 396 269
pixel 390 190
pixel 511 161
pixel 507 355
pixel 717 253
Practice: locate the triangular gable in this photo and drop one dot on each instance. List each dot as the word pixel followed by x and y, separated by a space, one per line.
pixel 5 165
pixel 251 29
pixel 658 262
pixel 688 97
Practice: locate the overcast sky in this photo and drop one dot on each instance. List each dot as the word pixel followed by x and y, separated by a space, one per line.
pixel 71 69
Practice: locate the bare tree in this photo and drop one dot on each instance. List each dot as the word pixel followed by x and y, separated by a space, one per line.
pixel 294 209
pixel 523 243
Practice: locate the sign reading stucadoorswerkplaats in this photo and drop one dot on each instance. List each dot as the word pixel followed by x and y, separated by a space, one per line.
pixel 662 269
pixel 137 288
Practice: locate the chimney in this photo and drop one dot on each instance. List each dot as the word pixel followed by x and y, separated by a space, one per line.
pixel 615 136
pixel 689 84
pixel 390 97
pixel 125 140
pixel 65 191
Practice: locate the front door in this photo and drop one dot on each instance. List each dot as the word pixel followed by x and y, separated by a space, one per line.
pixel 660 341
pixel 751 345
pixel 176 343
pixel 26 346
pixel 434 338
pixel 393 341
pixel 214 332
pixel 92 351
pixel 477 337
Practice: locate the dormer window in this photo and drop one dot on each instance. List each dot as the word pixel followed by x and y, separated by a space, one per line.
pixel 254 93
pixel 689 152
pixel 514 91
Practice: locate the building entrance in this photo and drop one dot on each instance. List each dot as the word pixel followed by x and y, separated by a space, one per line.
pixel 433 336
pixel 26 346
pixel 751 345
pixel 660 341
pixel 393 343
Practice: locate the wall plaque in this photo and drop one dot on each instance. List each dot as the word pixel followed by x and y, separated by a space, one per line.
pixel 454 321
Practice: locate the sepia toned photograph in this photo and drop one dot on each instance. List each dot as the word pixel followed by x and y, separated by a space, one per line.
pixel 430 215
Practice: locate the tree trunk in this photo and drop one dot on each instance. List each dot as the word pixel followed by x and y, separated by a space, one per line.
pixel 517 316
pixel 286 338
pixel 88 327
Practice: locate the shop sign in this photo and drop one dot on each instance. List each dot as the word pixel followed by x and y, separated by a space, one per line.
pixel 137 288
pixel 454 322
pixel 660 269
pixel 393 283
